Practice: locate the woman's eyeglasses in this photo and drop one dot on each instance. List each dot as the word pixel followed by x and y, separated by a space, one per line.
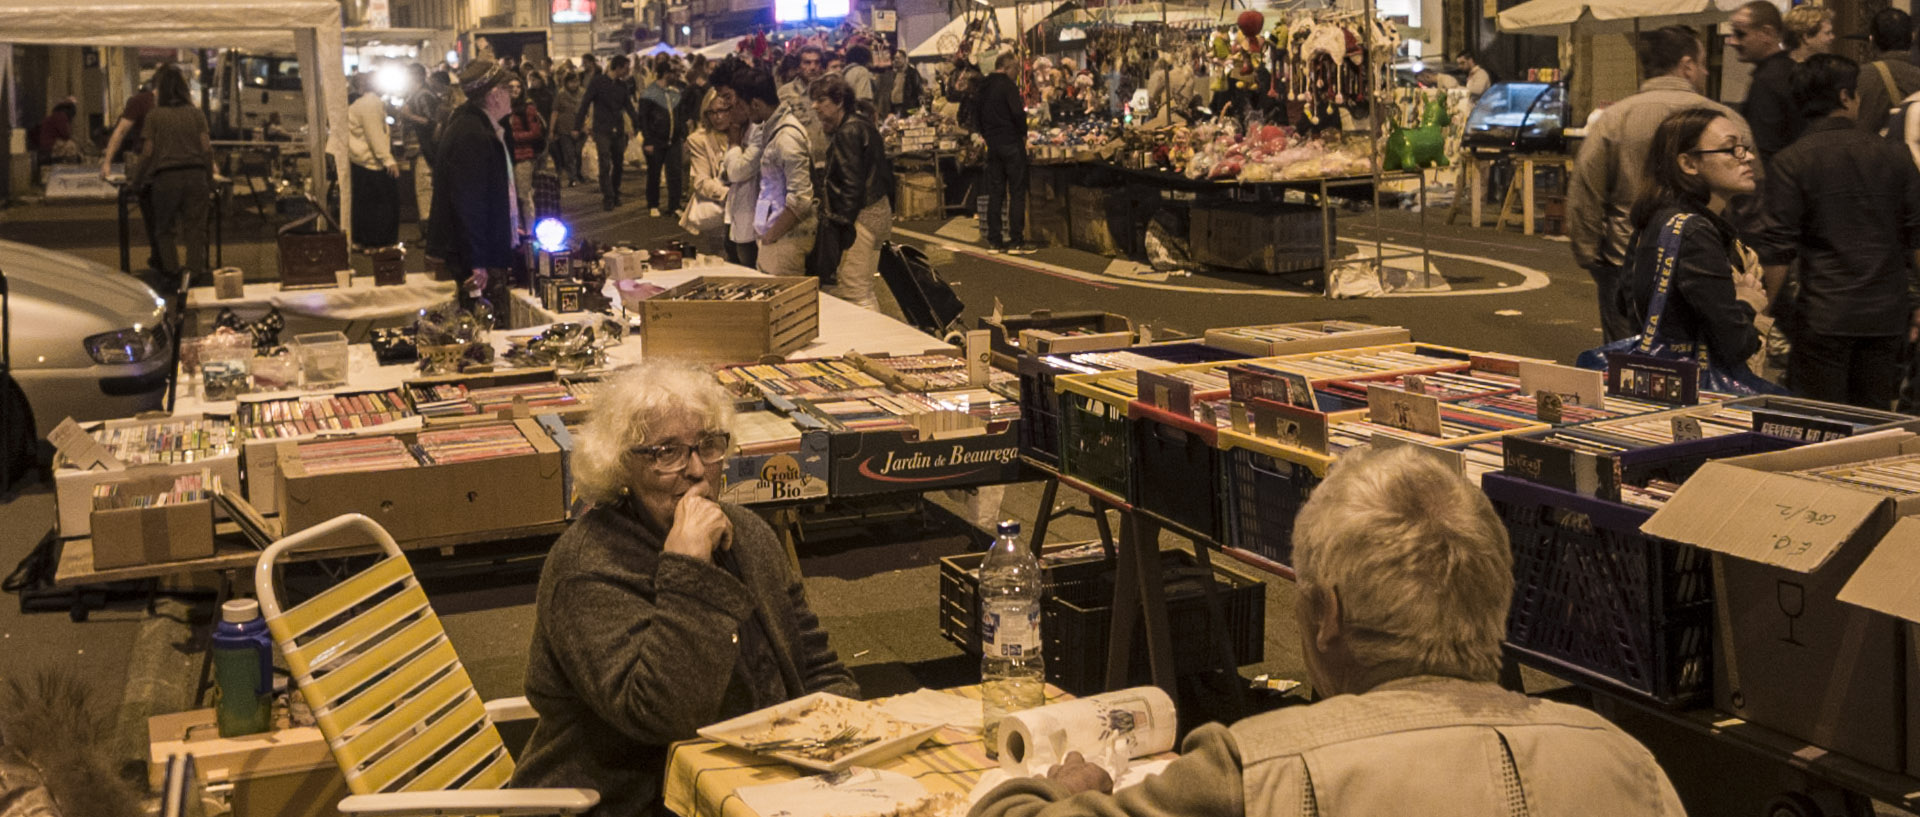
pixel 670 457
pixel 1740 153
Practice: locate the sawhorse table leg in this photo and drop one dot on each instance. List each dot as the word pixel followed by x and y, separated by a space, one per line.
pixel 1139 592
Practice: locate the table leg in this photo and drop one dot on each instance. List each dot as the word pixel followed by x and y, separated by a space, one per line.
pixel 1139 591
pixel 1045 516
pixel 1478 178
pixel 1526 197
pixel 126 256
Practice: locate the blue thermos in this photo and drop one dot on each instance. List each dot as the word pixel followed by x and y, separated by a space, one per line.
pixel 242 670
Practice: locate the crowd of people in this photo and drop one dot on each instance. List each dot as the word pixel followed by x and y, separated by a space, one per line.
pixel 1775 244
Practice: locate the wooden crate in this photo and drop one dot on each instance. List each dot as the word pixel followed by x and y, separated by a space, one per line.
pixel 717 332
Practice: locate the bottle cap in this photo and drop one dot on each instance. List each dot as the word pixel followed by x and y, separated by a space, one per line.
pixel 1009 528
pixel 239 611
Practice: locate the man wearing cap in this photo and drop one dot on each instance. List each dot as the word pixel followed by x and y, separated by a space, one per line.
pixel 472 227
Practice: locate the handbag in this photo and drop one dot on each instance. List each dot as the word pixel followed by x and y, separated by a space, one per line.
pixel 1649 343
pixel 829 244
pixel 703 215
pixel 311 249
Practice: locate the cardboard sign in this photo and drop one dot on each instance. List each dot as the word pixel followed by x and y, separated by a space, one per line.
pixel 1165 392
pixel 1674 382
pixel 80 449
pixel 879 462
pixel 1586 386
pixel 1291 388
pixel 1549 407
pixel 1394 408
pixel 1290 425
pixel 979 357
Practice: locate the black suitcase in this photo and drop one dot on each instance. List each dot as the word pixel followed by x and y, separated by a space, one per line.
pixel 926 300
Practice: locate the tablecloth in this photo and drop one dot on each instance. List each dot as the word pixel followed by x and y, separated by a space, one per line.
pixel 360 302
pixel 702 775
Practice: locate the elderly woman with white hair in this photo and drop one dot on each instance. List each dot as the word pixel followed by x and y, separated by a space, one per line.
pixel 660 610
pixel 1404 577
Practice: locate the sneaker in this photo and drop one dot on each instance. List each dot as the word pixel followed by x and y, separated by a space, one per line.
pixel 997 247
pixel 653 211
pixel 1024 248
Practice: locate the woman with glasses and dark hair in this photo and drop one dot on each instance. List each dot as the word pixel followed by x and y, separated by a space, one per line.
pixel 1692 284
pixel 662 609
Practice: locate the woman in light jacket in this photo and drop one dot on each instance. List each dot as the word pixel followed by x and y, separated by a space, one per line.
pixel 706 212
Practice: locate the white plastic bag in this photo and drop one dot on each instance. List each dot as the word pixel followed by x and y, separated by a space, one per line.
pixel 589 161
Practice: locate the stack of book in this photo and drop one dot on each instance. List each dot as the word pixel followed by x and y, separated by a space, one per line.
pixel 1898 476
pixel 310 414
pixel 468 444
pixel 168 441
pixel 358 454
pixel 764 432
pixel 457 399
pixel 1350 366
pixel 200 487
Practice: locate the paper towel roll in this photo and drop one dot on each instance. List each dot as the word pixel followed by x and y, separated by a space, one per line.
pixel 1106 729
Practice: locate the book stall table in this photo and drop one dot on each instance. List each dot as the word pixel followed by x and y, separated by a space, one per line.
pixel 311 310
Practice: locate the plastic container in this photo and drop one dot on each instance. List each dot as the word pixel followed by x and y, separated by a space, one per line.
pixel 1012 663
pixel 323 358
pixel 242 670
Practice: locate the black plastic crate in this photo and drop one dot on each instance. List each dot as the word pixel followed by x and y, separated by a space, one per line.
pixel 1040 402
pixel 1094 442
pixel 1263 494
pixel 1076 618
pixel 1595 595
pixel 1176 470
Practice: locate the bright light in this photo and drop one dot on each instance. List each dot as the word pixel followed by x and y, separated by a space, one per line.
pixel 686 30
pixel 453 59
pixel 392 80
pixel 789 11
pixel 832 9
pixel 1071 34
pixel 551 233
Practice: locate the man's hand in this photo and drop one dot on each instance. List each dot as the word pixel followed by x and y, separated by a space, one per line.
pixel 477 283
pixel 393 169
pixel 1913 327
pixel 699 526
pixel 1076 775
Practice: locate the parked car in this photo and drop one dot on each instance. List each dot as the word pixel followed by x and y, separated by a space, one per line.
pixel 88 342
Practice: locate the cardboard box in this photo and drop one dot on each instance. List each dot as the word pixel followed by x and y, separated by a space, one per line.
pixel 1271 238
pixel 125 537
pixel 717 332
pixel 432 500
pixel 73 487
pixel 1889 582
pixel 1793 657
pixel 781 476
pixel 966 451
pixel 282 773
pixel 1004 332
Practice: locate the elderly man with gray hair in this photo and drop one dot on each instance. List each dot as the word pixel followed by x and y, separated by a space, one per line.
pixel 1404 578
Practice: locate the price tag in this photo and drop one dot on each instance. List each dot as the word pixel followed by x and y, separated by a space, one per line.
pixel 1414 383
pixel 1548 407
pixel 1686 428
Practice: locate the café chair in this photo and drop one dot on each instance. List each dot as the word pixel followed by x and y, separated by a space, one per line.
pixel 398 709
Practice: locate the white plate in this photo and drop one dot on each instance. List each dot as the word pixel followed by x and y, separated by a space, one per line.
pixel 732 733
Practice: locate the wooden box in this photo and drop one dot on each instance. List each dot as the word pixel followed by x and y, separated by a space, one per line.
pixel 389 266
pixel 280 773
pixel 716 332
pixel 918 197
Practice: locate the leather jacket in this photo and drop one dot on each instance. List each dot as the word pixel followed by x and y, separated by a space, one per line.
pixel 858 170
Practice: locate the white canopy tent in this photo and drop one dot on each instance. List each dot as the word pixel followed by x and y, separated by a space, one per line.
pixel 1566 17
pixel 309 29
pixel 1013 21
pixel 722 49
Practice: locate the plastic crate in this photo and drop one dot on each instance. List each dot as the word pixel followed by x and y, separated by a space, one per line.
pixel 960 587
pixel 1176 469
pixel 1094 442
pixel 1264 485
pixel 1594 595
pixel 1040 399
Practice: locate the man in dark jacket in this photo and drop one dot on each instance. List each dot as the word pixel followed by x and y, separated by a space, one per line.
pixel 607 100
pixel 1846 204
pixel 1002 118
pixel 473 199
pixel 1769 109
pixel 664 134
pixel 1892 35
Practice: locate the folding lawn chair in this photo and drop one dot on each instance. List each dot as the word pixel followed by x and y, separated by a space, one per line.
pixel 397 708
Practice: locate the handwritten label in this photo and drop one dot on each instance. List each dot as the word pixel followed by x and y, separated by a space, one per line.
pixel 1585 387
pixel 1417 413
pixel 1414 383
pixel 1289 425
pixel 1686 429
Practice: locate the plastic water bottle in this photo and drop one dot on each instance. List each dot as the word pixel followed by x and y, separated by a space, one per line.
pixel 1012 675
pixel 242 670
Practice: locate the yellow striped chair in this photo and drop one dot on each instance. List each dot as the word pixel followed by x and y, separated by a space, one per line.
pixel 397 708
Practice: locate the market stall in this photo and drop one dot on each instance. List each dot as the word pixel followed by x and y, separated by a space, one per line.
pixel 309 28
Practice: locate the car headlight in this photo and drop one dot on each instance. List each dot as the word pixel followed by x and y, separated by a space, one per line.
pixel 135 345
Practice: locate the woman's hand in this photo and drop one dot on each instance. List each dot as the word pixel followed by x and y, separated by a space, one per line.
pixel 699 526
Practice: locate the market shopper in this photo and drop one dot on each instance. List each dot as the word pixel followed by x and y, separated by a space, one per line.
pixel 706 215
pixel 1690 278
pixel 474 205
pixel 1756 34
pixel 809 64
pixel 1609 173
pixel 663 135
pixel 856 209
pixel 176 161
pixel 529 131
pixel 610 107
pixel 1809 31
pixel 420 121
pixel 901 87
pixel 1890 78
pixel 568 111
pixel 1845 204
pixel 1002 121
pixel 376 173
pixel 1477 79
pixel 1404 574
pixel 661 610
pixel 779 146
pixel 124 145
pixel 858 75
pixel 741 166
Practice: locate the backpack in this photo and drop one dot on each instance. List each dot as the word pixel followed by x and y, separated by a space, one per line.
pixel 1903 127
